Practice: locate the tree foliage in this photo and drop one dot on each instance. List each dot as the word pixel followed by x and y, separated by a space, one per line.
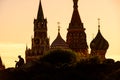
pixel 46 68
pixel 59 56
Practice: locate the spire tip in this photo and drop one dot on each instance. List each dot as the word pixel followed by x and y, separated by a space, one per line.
pixel 75 4
pixel 99 24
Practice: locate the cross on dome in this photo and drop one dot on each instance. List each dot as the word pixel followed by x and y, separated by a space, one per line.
pixel 58 26
pixel 98 23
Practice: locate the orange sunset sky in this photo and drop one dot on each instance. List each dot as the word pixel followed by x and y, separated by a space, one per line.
pixel 16 23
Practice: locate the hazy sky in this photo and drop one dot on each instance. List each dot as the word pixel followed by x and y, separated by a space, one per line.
pixel 16 21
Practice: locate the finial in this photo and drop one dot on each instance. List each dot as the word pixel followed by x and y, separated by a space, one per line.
pixel 75 3
pixel 40 1
pixel 98 23
pixel 58 26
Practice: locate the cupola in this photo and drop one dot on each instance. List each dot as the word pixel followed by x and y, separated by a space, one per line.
pixel 59 42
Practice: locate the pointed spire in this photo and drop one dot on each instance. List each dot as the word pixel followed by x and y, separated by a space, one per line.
pixel 98 24
pixel 76 20
pixel 40 15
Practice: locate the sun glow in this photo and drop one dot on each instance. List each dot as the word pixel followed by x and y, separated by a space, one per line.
pixel 9 53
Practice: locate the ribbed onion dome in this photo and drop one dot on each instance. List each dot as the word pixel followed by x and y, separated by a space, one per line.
pixel 59 42
pixel 99 42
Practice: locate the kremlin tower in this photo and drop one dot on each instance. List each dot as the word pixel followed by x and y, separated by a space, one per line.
pixel 40 42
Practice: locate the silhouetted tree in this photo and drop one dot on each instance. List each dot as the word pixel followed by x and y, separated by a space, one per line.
pixel 93 60
pixel 108 61
pixel 90 60
pixel 59 65
pixel 59 57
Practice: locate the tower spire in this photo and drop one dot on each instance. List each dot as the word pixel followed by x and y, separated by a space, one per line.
pixel 75 20
pixel 76 37
pixel 40 15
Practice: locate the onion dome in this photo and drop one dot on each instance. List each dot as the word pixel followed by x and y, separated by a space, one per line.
pixel 99 42
pixel 59 42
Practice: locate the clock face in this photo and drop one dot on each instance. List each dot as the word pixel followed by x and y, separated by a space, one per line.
pixel 36 41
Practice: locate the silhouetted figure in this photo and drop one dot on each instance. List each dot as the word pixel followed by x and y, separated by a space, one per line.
pixel 20 62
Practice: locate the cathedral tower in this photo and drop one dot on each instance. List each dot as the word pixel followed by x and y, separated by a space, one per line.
pixel 40 42
pixel 76 37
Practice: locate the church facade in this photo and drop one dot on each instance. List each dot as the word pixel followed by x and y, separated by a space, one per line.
pixel 75 38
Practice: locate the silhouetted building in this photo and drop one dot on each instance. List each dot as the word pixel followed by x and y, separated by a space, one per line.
pixel 75 39
pixel 99 45
pixel 2 66
pixel 40 42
